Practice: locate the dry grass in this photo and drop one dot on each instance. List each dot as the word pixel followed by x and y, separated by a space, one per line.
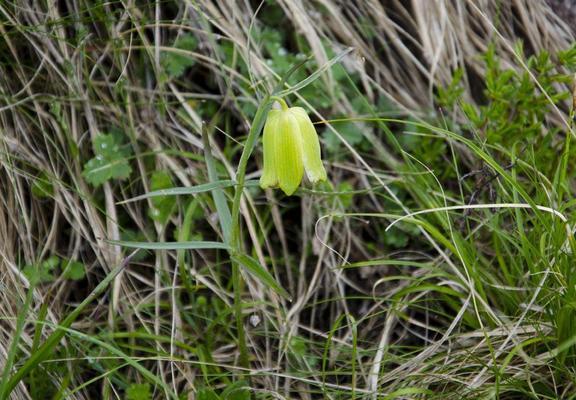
pixel 73 71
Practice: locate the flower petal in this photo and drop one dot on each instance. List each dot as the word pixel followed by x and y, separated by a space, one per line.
pixel 269 179
pixel 288 153
pixel 311 154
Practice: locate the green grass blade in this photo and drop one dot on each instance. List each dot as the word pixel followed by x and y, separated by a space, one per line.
pixel 52 341
pixel 259 272
pixel 194 245
pixel 305 82
pixel 218 194
pixel 4 391
pixel 176 191
pixel 183 236
pixel 150 376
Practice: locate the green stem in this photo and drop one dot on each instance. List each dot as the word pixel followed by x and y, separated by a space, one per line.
pixel 255 129
pixel 235 241
pixel 281 101
pixel 237 286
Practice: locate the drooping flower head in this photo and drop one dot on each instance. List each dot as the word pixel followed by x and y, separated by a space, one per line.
pixel 291 147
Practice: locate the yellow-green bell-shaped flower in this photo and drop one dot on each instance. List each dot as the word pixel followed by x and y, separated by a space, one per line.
pixel 291 147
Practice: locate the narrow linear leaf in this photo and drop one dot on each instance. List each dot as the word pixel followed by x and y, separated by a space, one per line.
pixel 176 191
pixel 305 82
pixel 404 392
pixel 218 194
pixel 184 236
pixel 195 245
pixel 260 273
pixel 13 351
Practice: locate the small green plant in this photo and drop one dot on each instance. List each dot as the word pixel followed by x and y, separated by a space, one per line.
pixel 516 104
pixel 291 147
pixel 138 391
pixel 110 160
pixel 47 270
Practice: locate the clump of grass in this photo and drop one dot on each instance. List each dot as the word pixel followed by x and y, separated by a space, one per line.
pixel 436 263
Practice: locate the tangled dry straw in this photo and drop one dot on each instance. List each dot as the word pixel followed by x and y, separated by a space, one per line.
pixel 57 93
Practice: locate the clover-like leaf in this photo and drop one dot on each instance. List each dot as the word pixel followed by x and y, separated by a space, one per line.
pixel 42 272
pixel 73 270
pixel 110 161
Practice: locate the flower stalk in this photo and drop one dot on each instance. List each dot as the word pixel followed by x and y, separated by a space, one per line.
pixel 235 242
pixel 291 146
